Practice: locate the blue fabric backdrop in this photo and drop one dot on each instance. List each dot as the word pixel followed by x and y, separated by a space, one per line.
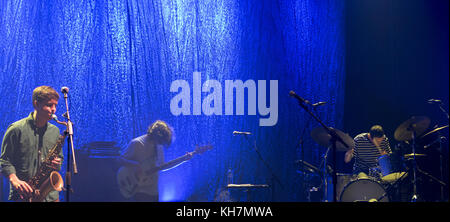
pixel 119 59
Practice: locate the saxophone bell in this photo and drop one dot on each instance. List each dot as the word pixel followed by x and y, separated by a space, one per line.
pixel 53 182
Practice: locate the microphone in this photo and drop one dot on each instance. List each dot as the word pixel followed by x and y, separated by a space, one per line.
pixel 241 133
pixel 434 101
pixel 55 118
pixel 319 104
pixel 299 98
pixel 65 89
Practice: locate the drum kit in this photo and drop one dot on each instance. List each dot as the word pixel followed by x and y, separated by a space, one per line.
pixel 393 171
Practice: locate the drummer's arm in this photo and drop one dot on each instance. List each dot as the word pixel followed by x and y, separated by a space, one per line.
pixel 387 147
pixel 348 156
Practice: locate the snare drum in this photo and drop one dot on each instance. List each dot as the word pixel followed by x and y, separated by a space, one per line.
pixel 364 190
pixel 391 170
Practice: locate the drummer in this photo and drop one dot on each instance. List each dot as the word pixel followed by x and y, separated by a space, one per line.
pixel 368 147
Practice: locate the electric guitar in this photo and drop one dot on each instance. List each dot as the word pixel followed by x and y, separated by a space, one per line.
pixel 129 180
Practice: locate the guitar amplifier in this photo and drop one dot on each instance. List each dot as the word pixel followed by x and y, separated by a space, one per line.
pixel 96 178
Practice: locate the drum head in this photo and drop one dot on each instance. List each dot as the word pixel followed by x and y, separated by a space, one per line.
pixel 363 190
pixel 342 181
pixel 391 178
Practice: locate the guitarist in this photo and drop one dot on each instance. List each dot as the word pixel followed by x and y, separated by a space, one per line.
pixel 145 152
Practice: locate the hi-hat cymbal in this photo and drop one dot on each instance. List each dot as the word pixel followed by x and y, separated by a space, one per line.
pixel 412 155
pixel 417 124
pixel 323 138
pixel 435 130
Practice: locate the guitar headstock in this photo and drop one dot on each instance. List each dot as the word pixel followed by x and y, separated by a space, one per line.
pixel 202 149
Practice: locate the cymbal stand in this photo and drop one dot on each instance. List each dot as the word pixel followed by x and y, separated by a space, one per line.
pixel 441 138
pixel 324 169
pixel 431 177
pixel 443 110
pixel 390 186
pixel 301 145
pixel 415 197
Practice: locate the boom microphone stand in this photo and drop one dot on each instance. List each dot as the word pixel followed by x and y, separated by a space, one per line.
pixel 334 137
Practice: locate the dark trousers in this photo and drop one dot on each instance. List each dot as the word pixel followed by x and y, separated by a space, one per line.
pixel 143 197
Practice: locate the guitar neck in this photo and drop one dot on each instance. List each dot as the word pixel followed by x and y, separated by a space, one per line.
pixel 169 164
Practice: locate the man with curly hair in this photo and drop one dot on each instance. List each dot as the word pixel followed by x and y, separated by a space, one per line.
pixel 147 152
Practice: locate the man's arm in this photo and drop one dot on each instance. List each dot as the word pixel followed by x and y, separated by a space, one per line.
pixel 348 156
pixel 386 146
pixel 7 155
pixel 128 157
pixel 351 153
pixel 19 185
pixel 174 163
pixel 8 169
pixel 127 162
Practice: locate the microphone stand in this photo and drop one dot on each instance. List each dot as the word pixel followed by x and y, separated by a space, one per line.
pixel 440 152
pixel 443 110
pixel 273 176
pixel 301 145
pixel 70 151
pixel 334 138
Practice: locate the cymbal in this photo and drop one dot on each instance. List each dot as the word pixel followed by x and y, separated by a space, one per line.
pixel 435 130
pixel 417 124
pixel 321 136
pixel 411 155
pixel 247 185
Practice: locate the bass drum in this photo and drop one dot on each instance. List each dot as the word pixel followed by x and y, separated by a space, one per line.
pixel 363 190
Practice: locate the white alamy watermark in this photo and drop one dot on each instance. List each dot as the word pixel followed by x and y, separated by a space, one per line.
pixel 212 103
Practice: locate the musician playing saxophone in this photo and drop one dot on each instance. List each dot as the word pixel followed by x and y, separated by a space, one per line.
pixel 26 144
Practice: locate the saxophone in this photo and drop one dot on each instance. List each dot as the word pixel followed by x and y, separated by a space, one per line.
pixel 47 178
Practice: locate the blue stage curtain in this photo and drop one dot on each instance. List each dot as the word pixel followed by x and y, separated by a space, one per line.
pixel 119 59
